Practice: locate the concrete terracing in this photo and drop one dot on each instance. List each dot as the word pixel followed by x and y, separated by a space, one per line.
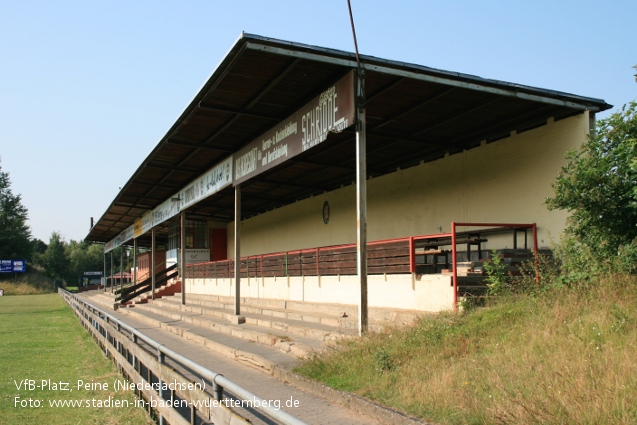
pixel 284 331
pixel 270 336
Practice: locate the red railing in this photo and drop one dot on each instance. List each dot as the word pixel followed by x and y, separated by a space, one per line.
pixel 513 227
pixel 384 256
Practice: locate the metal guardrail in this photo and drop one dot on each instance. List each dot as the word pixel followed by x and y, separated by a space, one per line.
pixel 218 381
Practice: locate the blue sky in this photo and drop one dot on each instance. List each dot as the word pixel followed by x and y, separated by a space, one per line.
pixel 88 88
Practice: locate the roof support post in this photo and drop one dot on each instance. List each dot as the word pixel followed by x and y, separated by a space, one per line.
pixel 182 256
pixel 454 265
pixel 105 272
pixel 112 282
pixel 135 260
pixel 237 249
pixel 361 200
pixel 152 262
pixel 121 271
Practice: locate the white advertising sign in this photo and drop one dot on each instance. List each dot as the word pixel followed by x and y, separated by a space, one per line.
pixel 166 210
pixel 147 222
pixel 207 184
pixel 192 256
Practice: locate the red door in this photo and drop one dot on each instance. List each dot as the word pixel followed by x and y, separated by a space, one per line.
pixel 218 244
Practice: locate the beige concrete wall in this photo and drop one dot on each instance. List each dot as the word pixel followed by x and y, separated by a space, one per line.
pixel 430 293
pixel 504 181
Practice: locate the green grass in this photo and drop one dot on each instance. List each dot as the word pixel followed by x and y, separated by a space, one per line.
pixel 565 356
pixel 41 339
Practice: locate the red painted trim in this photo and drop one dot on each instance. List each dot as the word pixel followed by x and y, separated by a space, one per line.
pixel 412 255
pixel 525 225
pixel 454 261
pixel 536 252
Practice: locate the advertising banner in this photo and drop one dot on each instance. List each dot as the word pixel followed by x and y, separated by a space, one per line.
pixel 147 222
pixel 137 228
pixel 192 256
pixel 6 266
pixel 120 239
pixel 207 184
pixel 127 234
pixel 330 112
pixel 166 210
pixel 109 246
pixel 13 266
pixel 92 278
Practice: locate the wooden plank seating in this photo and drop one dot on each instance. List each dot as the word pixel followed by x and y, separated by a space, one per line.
pixel 469 240
pixel 432 260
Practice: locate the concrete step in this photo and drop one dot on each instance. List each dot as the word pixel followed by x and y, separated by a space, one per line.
pixel 279 318
pixel 274 362
pixel 261 356
pixel 172 288
pixel 273 313
pixel 103 298
pixel 333 310
pixel 293 329
pixel 336 315
pixel 312 329
pixel 177 320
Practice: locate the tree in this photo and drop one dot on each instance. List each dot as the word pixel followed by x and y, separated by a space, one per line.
pixel 15 234
pixel 83 257
pixel 598 186
pixel 54 259
pixel 38 247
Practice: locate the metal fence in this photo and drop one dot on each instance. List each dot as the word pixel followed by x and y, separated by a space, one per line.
pixel 157 375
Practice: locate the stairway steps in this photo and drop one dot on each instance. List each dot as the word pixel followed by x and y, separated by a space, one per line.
pixel 167 290
pixel 285 341
pixel 334 310
pixel 273 333
pixel 259 314
pixel 318 331
pixel 261 356
pixel 293 329
pixel 327 314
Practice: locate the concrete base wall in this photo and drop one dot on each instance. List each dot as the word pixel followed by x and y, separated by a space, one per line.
pixel 430 293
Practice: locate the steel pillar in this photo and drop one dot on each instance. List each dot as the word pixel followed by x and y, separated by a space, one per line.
pixel 182 257
pixel 152 262
pixel 237 250
pixel 361 200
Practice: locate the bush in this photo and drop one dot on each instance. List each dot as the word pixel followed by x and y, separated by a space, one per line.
pixel 496 274
pixel 597 187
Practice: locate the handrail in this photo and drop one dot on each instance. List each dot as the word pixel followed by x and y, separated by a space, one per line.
pixel 142 288
pixel 161 275
pixel 158 268
pixel 216 378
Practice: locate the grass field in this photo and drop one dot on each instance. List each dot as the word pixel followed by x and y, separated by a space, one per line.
pixel 565 356
pixel 42 349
